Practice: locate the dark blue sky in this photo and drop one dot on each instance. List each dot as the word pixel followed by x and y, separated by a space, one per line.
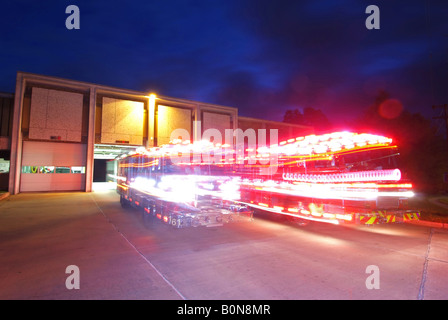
pixel 261 56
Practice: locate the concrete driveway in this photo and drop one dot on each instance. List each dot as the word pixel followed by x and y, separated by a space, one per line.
pixel 42 234
pixel 120 258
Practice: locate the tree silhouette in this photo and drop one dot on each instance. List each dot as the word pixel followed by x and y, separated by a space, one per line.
pixel 422 150
pixel 423 157
pixel 310 117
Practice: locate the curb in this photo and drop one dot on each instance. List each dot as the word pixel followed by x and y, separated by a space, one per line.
pixel 430 224
pixel 4 196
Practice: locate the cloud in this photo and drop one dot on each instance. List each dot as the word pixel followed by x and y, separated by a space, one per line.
pixel 325 58
pixel 261 56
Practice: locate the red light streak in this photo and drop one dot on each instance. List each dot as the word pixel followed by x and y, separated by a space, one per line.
pixel 324 182
pixel 373 175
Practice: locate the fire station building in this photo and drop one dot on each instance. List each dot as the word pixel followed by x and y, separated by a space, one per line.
pixel 62 135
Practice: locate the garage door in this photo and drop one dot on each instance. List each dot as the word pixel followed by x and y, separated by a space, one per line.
pixel 51 166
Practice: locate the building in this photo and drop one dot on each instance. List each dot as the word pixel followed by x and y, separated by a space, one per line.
pixel 284 131
pixel 6 113
pixel 62 134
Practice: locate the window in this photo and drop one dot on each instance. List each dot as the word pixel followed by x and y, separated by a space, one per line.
pixel 4 165
pixel 46 169
pixel 62 170
pixel 78 169
pixel 53 169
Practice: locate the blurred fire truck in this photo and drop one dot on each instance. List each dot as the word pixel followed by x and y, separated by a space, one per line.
pixel 338 178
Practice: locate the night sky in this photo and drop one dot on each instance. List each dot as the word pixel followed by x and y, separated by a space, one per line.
pixel 260 56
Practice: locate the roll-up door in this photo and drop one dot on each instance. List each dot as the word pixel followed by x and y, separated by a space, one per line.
pixel 51 166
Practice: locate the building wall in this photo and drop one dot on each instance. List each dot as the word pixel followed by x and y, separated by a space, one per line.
pixel 171 118
pixel 54 110
pixel 55 115
pixel 6 114
pixel 122 120
pixel 81 115
pixel 284 131
pixel 219 122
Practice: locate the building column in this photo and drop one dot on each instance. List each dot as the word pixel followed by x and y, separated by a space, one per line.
pixel 90 140
pixel 16 137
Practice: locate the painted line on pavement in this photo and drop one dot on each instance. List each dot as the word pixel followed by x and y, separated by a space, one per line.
pixel 140 253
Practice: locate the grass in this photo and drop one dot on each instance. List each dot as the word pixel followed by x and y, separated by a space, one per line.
pixel 431 207
pixel 443 200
